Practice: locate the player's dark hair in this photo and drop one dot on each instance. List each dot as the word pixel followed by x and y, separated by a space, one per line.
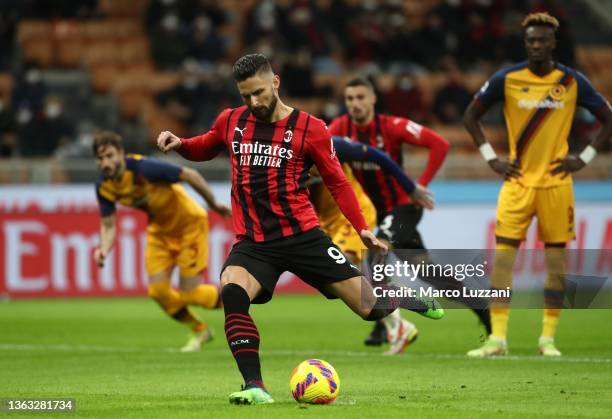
pixel 249 65
pixel 107 138
pixel 540 19
pixel 360 81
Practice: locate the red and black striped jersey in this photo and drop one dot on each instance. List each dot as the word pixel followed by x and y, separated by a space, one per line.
pixel 270 164
pixel 388 133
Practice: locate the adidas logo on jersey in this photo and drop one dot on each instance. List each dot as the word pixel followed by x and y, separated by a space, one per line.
pixel 546 103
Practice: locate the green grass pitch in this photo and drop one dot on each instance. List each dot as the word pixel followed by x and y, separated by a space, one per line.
pixel 118 358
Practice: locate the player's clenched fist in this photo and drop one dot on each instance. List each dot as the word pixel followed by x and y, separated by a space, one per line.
pixel 167 141
pixel 99 257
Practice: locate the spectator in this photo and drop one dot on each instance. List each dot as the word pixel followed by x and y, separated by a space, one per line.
pixel 9 16
pixel 297 74
pixel 403 97
pixel 168 46
pixel 8 137
pixel 452 100
pixel 40 135
pixel 435 41
pixel 205 45
pixel 186 100
pixel 260 22
pixel 212 9
pixel 158 10
pixel 29 91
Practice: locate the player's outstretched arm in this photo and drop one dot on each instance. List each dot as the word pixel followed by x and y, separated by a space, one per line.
pixel 574 162
pixel 201 147
pixel 353 151
pixel 323 154
pixel 199 184
pixel 107 239
pixel 471 120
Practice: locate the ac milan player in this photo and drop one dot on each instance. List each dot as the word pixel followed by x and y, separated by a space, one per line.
pixel 272 147
pixel 398 217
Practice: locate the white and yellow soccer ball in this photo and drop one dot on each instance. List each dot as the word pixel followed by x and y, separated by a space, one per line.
pixel 314 381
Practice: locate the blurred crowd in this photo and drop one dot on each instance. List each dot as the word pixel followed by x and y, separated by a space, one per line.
pixel 312 44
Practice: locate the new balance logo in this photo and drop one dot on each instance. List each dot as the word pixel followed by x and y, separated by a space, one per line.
pixel 241 131
pixel 239 342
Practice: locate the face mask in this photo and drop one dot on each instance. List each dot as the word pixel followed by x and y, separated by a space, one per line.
pixel 170 22
pixel 190 82
pixel 406 84
pixel 203 24
pixel 331 110
pixel 24 115
pixel 33 76
pixel 266 49
pixel 53 110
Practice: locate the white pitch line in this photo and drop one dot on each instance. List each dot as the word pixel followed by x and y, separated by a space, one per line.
pixel 282 352
pixel 82 348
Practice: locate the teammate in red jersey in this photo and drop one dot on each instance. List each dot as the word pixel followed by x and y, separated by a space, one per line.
pixel 398 217
pixel 272 147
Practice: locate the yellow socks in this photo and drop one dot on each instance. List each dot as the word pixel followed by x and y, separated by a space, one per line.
pixel 553 289
pixel 499 322
pixel 501 278
pixel 167 297
pixel 204 295
pixel 550 321
pixel 171 302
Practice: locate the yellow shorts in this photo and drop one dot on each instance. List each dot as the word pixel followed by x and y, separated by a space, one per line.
pixel 189 252
pixel 345 237
pixel 553 206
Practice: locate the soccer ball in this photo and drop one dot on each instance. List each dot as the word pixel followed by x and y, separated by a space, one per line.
pixel 314 381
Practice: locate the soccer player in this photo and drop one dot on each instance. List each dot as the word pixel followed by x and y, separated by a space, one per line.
pixel 177 233
pixel 540 98
pixel 272 147
pixel 400 332
pixel 398 216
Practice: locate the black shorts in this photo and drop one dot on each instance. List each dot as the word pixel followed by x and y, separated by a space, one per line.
pixel 399 227
pixel 310 255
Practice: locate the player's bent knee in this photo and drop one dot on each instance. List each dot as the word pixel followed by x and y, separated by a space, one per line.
pixel 240 276
pixel 163 294
pixel 187 284
pixel 159 290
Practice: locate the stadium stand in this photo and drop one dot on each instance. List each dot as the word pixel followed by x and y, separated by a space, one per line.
pixel 121 56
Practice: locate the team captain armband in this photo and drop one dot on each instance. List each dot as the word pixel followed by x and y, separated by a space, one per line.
pixel 588 154
pixel 487 152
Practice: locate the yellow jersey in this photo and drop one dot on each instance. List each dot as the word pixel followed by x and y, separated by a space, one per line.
pixel 325 205
pixel 151 185
pixel 539 112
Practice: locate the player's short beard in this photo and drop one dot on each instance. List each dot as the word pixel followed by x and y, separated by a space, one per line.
pixel 114 172
pixel 362 119
pixel 264 113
